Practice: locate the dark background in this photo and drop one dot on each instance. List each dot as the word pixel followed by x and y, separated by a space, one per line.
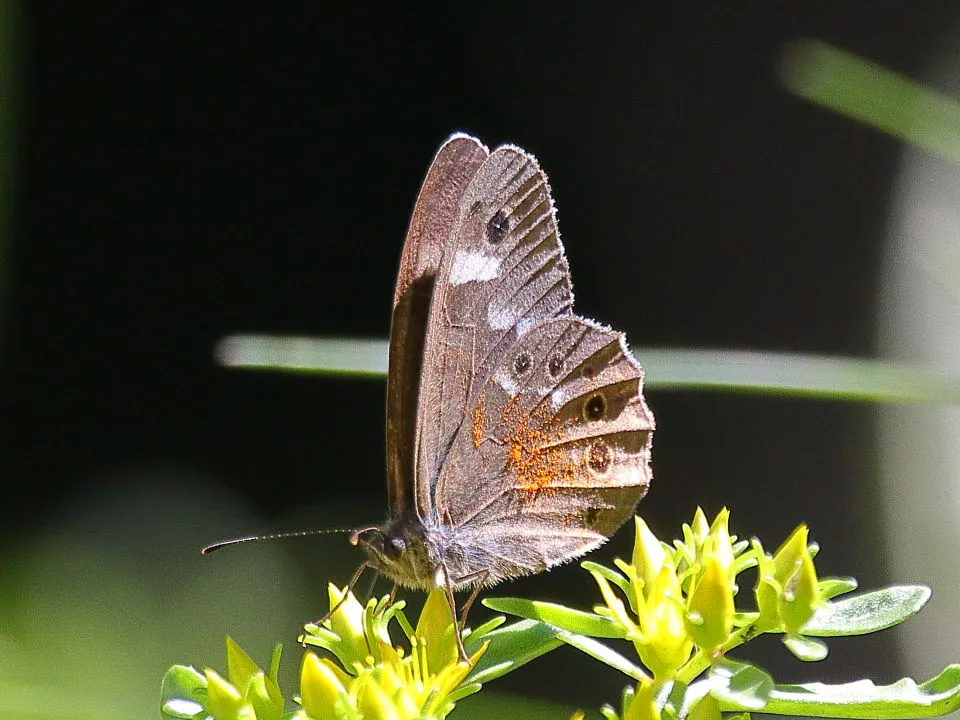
pixel 183 172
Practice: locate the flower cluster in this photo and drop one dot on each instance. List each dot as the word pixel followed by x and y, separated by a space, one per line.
pixel 676 603
pixel 370 678
pixel 374 679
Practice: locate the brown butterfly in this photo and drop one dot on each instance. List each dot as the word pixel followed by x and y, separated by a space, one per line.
pixel 517 434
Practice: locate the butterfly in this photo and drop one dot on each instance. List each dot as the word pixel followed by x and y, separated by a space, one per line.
pixel 518 437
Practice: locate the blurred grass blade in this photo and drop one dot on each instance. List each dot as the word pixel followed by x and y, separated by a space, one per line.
pixel 302 354
pixel 666 369
pixel 789 374
pixel 873 95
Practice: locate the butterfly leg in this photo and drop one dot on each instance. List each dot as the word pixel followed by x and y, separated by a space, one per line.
pixel 457 628
pixel 347 591
pixel 479 578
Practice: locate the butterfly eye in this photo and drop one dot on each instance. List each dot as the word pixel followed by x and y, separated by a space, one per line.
pixel 598 458
pixel 393 547
pixel 497 227
pixel 595 408
pixel 555 365
pixel 522 363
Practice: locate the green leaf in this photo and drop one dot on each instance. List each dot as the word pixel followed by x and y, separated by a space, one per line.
pixel 831 587
pixel 740 686
pixel 511 646
pixel 576 621
pixel 182 694
pixel 607 573
pixel 867 613
pixel 603 653
pixel 805 648
pixel 463 691
pixel 481 631
pixel 863 699
pixel 275 662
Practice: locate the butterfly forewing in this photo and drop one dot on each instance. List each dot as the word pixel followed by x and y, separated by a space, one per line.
pixel 434 214
pixel 502 271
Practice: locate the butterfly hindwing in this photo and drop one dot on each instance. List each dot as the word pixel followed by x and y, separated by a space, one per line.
pixel 554 454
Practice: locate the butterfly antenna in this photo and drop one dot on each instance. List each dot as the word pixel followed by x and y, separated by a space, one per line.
pixel 213 547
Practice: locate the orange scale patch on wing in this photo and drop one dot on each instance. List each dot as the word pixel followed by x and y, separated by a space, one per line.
pixel 479 419
pixel 536 456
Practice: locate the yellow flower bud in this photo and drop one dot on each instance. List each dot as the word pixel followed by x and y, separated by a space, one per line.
pixel 699 526
pixel 648 553
pixel 801 594
pixel 710 607
pixel 347 623
pixel 722 546
pixel 797 577
pixel 320 688
pixel 663 645
pixel 224 701
pixel 374 704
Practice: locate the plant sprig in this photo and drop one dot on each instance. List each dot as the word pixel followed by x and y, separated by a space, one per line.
pixel 675 604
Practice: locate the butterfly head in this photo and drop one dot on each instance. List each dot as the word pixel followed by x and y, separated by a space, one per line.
pixel 400 550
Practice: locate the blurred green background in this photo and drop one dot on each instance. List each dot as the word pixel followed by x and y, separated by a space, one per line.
pixel 174 174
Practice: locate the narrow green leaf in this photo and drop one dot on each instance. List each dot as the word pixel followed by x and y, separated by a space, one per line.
pixel 831 587
pixel 807 649
pixel 863 699
pixel 869 612
pixel 740 686
pixel 608 574
pixel 512 646
pixel 463 691
pixel 478 633
pixel 275 662
pixel 603 653
pixel 576 621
